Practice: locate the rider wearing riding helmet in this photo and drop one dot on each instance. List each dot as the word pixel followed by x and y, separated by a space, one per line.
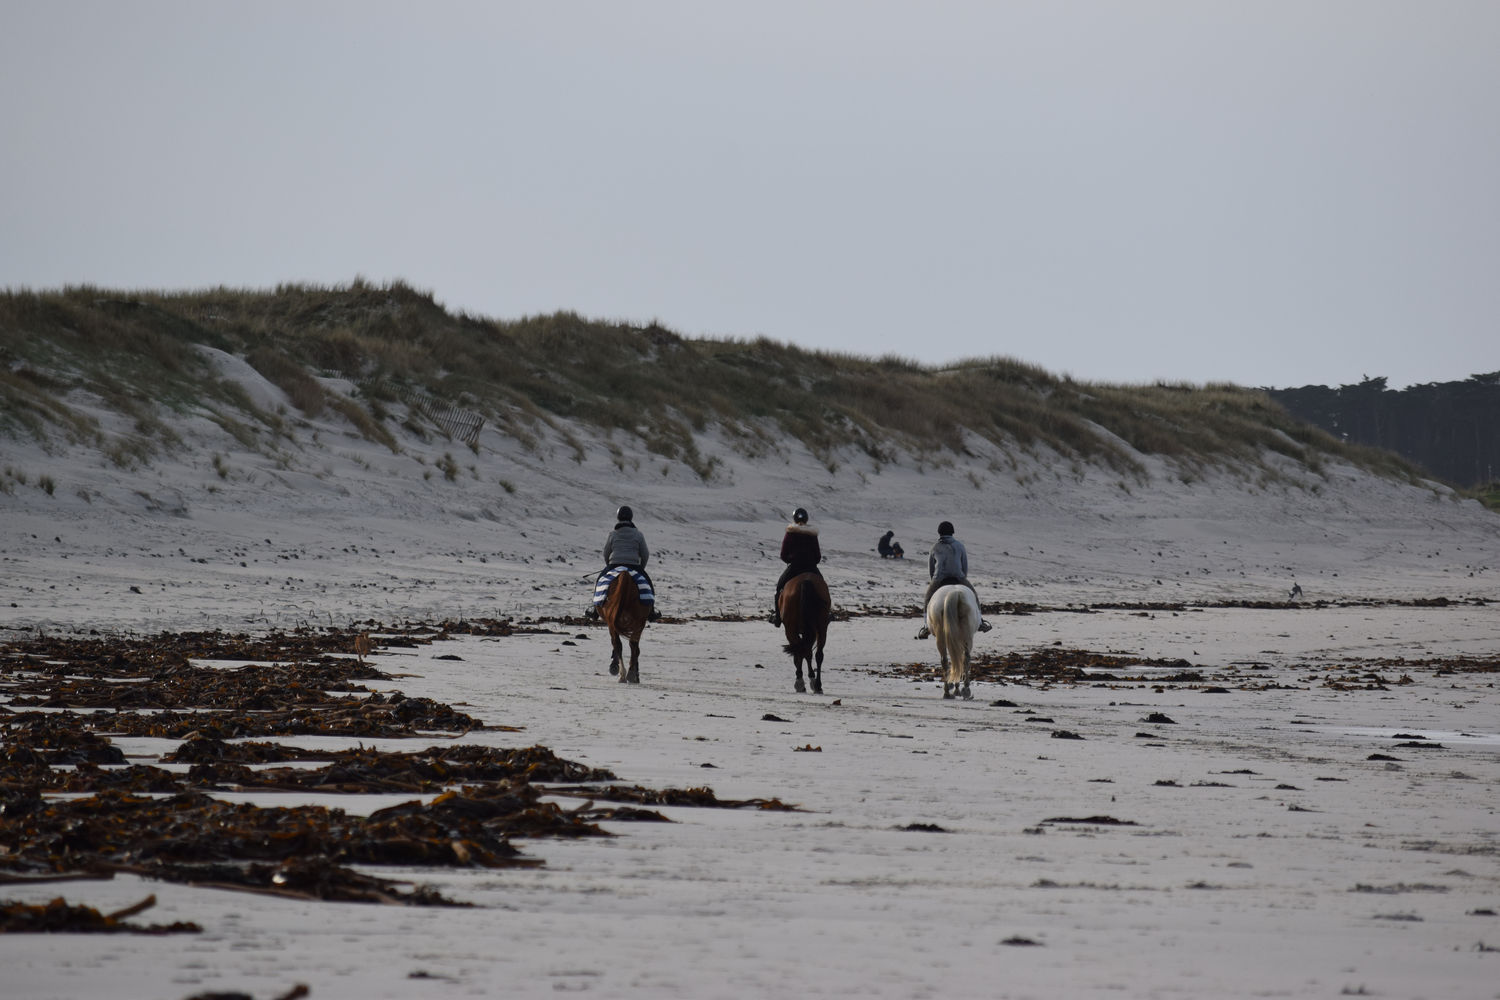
pixel 948 564
pixel 801 553
pixel 626 546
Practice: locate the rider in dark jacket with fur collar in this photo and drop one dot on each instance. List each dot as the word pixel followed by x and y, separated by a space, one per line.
pixel 801 553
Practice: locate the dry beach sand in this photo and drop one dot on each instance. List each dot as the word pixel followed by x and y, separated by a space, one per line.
pixel 1063 834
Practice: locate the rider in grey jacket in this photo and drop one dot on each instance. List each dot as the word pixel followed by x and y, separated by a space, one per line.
pixel 948 564
pixel 626 546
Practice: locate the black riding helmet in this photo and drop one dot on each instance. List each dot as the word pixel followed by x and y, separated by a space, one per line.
pixel 800 515
pixel 625 514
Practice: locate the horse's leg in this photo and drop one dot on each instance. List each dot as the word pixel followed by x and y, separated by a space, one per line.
pixel 937 637
pixel 793 640
pixel 635 661
pixel 816 674
pixel 968 668
pixel 617 660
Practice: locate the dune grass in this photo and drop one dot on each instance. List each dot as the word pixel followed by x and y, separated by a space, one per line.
pixel 1487 494
pixel 133 351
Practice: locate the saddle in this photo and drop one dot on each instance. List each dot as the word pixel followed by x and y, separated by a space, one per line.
pixel 601 590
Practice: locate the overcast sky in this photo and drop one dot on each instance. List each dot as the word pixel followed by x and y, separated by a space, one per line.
pixel 1261 192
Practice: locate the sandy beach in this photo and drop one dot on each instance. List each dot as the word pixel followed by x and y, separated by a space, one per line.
pixel 1299 801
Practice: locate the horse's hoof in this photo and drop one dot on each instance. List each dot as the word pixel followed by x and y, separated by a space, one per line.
pixel 947 694
pixel 801 687
pixel 817 689
pixel 634 678
pixel 614 668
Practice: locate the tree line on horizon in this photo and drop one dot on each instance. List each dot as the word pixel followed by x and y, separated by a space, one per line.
pixel 1451 429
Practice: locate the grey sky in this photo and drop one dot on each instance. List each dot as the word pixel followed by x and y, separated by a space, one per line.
pixel 1267 193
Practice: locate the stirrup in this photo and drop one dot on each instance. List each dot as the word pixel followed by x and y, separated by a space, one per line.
pixel 984 626
pixel 775 618
pixel 654 616
pixel 924 632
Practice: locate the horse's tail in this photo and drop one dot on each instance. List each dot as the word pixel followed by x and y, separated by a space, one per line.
pixel 623 596
pixel 959 618
pixel 809 606
pixel 966 611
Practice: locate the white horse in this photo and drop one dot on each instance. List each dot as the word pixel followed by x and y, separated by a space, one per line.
pixel 953 618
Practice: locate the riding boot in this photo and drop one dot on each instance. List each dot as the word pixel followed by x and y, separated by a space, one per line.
pixel 654 616
pixel 984 626
pixel 924 632
pixel 592 612
pixel 775 618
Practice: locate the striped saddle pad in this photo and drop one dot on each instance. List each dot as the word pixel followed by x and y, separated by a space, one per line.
pixel 602 590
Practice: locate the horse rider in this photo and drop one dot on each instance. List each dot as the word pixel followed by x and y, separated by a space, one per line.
pixel 801 553
pixel 947 565
pixel 625 546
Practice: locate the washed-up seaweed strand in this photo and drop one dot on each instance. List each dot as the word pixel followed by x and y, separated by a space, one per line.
pixel 701 796
pixel 60 916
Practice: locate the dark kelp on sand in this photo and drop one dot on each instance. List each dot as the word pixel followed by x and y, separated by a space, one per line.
pixel 1062 666
pixel 62 699
pixel 58 915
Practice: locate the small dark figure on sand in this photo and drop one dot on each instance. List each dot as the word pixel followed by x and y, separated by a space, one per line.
pixel 889 549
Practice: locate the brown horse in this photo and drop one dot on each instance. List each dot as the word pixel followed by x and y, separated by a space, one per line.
pixel 625 615
pixel 805 608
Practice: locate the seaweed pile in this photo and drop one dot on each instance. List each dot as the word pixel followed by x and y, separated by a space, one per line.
pixel 679 797
pixel 316 694
pixel 58 915
pixel 220 766
pixel 301 851
pixel 62 699
pixel 1443 665
pixel 1057 665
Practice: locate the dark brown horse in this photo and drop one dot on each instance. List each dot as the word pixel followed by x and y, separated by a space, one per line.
pixel 805 608
pixel 625 615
